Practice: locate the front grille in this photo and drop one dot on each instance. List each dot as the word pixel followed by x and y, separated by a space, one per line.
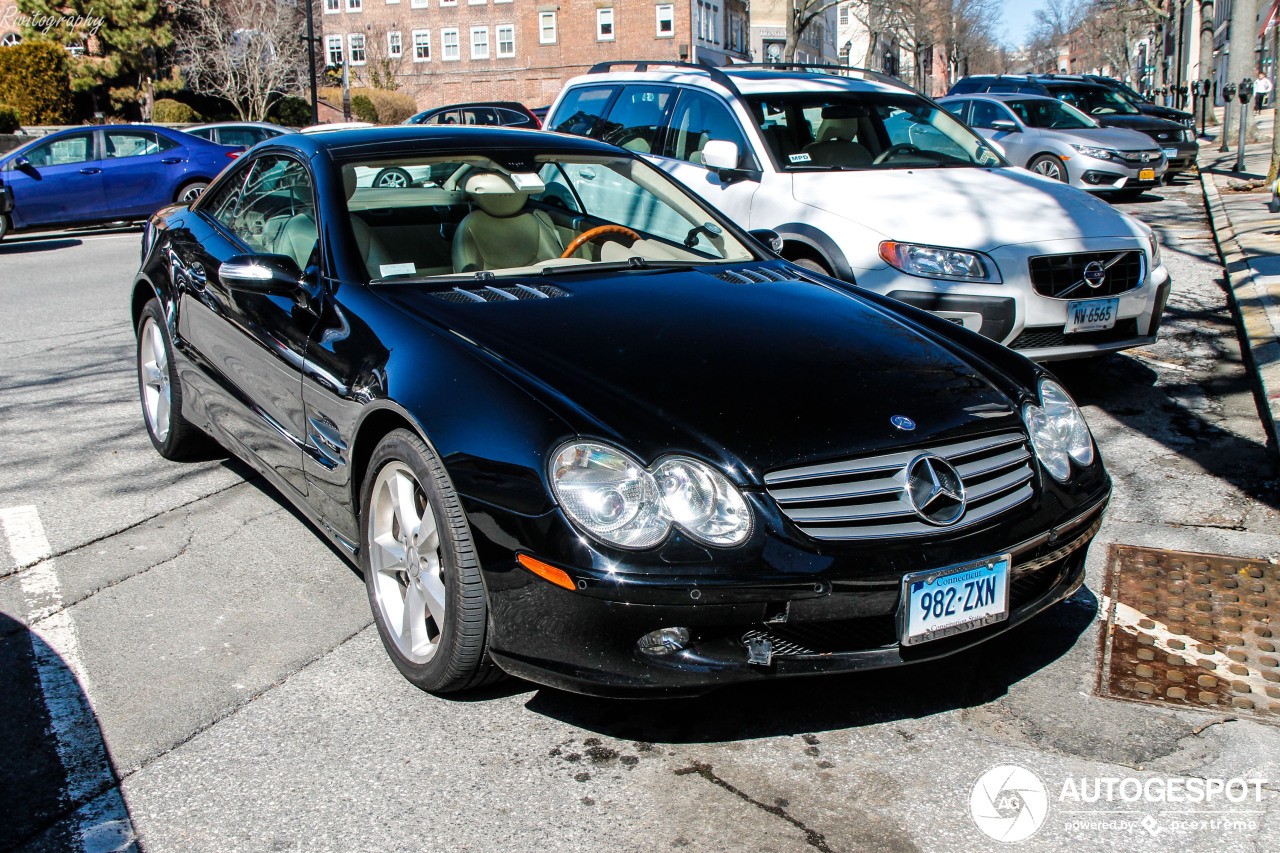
pixel 500 294
pixel 867 499
pixel 1062 276
pixel 1138 157
pixel 1045 337
pixel 759 275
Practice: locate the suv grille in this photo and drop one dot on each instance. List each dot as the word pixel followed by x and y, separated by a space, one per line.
pixel 1044 337
pixel 500 294
pixel 867 498
pixel 1062 276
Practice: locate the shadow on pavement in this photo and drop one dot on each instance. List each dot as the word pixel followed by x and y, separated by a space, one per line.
pixel 792 706
pixel 16 247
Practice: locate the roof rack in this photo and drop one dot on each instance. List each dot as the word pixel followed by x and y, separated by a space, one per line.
pixel 641 66
pixel 834 70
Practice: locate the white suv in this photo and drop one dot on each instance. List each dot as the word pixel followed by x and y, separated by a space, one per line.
pixel 869 181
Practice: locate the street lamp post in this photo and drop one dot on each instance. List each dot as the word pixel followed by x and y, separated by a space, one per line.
pixel 310 39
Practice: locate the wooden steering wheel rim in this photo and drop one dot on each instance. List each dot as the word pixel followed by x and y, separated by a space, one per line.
pixel 598 232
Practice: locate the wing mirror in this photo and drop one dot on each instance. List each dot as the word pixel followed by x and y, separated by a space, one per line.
pixel 1005 126
pixel 770 238
pixel 23 163
pixel 722 157
pixel 273 275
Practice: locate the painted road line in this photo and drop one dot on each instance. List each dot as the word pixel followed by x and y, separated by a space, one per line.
pixel 64 685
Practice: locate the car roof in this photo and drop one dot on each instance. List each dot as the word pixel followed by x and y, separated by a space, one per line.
pixel 746 81
pixel 510 105
pixel 999 96
pixel 405 139
pixel 210 124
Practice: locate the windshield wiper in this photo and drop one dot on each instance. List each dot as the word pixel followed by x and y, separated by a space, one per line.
pixel 632 263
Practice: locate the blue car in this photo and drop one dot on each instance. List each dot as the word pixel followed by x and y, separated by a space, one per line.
pixel 90 175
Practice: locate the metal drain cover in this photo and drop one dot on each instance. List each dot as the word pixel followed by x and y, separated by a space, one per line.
pixel 1192 631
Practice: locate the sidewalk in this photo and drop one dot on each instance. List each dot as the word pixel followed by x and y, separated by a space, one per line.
pixel 1248 238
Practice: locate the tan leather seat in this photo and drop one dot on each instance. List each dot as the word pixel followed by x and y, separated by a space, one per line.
pixel 501 234
pixel 372 252
pixel 837 144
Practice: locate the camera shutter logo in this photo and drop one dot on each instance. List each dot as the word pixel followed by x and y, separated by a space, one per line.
pixel 1009 803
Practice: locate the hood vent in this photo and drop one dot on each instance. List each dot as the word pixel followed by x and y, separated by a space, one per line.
pixel 760 275
pixel 508 293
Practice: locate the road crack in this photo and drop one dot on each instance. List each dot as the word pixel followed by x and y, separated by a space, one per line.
pixel 812 837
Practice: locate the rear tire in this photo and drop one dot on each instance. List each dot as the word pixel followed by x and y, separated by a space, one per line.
pixel 4 225
pixel 190 191
pixel 172 435
pixel 1050 166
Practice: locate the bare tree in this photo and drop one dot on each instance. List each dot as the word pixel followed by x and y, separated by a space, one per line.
pixel 799 15
pixel 247 52
pixel 381 68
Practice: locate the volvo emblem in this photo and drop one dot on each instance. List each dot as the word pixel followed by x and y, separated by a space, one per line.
pixel 902 422
pixel 1095 274
pixel 935 490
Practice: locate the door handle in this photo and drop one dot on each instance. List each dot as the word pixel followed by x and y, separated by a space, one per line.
pixel 171 160
pixel 90 171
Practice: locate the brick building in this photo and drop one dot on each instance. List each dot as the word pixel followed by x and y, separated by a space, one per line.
pixel 453 51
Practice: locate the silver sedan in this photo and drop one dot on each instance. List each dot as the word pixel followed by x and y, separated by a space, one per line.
pixel 1058 141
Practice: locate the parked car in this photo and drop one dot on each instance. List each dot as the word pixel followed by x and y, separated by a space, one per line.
pixel 1104 103
pixel 504 113
pixel 1058 141
pixel 241 134
pixel 869 181
pixel 615 449
pixel 90 175
pixel 1143 103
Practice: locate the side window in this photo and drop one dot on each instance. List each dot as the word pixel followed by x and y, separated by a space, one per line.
pixel 119 144
pixel 446 117
pixel 699 118
pixel 203 133
pixel 580 110
pixel 636 118
pixel 276 211
pixel 247 137
pixel 957 109
pixel 985 112
pixel 222 204
pixel 558 192
pixel 63 151
pixel 479 115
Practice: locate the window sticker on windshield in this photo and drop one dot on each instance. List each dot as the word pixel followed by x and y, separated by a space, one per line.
pixel 799 158
pixel 397 269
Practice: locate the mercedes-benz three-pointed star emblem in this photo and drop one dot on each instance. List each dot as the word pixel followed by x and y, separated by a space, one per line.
pixel 935 490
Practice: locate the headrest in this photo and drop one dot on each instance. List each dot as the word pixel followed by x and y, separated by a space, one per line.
pixel 494 193
pixel 844 129
pixel 349 182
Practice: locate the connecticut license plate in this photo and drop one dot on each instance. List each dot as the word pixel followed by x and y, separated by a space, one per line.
pixel 1170 152
pixel 1146 174
pixel 1090 315
pixel 958 598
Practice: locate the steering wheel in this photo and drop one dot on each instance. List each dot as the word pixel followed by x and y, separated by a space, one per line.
pixel 893 150
pixel 605 232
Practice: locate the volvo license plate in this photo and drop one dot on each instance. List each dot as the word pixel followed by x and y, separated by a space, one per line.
pixel 1091 315
pixel 1146 174
pixel 959 598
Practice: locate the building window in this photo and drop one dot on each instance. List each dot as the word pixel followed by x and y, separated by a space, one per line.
pixel 479 42
pixel 393 2
pixel 332 7
pixel 604 24
pixel 417 4
pixel 666 21
pixel 546 28
pixel 356 42
pixel 844 14
pixel 449 51
pixel 422 45
pixel 506 40
pixel 395 45
pixel 334 50
pixel 355 5
pixel 448 2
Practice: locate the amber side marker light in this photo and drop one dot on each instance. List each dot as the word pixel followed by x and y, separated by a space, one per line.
pixel 550 573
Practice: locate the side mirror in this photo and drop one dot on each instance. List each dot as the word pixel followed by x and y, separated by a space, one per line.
pixel 273 275
pixel 1003 125
pixel 719 154
pixel 23 163
pixel 770 238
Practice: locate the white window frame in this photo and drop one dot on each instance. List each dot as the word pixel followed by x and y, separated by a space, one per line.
pixel 510 31
pixel 476 2
pixel 417 4
pixel 604 18
pixel 480 49
pixel 355 5
pixel 445 34
pixel 448 2
pixel 666 13
pixel 395 43
pixel 332 7
pixel 393 2
pixel 543 18
pixel 351 49
pixel 332 44
pixel 426 42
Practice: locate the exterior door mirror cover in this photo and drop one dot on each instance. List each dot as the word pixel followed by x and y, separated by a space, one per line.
pixel 720 154
pixel 770 238
pixel 23 163
pixel 1004 125
pixel 273 275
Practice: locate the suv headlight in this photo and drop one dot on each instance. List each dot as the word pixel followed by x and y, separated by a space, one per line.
pixel 1155 249
pixel 614 498
pixel 939 262
pixel 1097 153
pixel 1058 431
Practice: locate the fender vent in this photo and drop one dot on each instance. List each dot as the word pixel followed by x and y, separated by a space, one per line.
pixel 759 275
pixel 508 293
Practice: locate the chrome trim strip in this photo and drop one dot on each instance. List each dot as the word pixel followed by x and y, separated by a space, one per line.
pixel 882 531
pixel 890 461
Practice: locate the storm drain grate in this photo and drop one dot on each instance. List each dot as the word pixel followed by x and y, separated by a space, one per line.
pixel 1192 631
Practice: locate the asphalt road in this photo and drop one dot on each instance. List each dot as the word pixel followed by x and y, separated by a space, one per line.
pixel 184 661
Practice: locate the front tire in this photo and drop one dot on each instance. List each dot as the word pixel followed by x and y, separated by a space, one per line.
pixel 812 265
pixel 172 435
pixel 1050 166
pixel 4 225
pixel 420 569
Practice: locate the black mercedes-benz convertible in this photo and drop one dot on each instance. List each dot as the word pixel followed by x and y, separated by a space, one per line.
pixel 573 425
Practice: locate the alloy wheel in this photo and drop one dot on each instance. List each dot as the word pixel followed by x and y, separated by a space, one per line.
pixel 153 364
pixel 1048 168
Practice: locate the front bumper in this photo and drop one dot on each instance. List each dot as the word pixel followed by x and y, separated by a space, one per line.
pixel 1094 175
pixel 585 640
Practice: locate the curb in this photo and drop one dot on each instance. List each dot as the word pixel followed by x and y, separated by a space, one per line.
pixel 1256 307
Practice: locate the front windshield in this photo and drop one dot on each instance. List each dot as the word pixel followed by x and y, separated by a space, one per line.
pixel 1052 115
pixel 865 130
pixel 1096 100
pixel 519 214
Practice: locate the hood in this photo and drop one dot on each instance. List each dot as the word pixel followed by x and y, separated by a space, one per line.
pixel 1145 123
pixel 1119 138
pixel 753 374
pixel 969 208
pixel 1168 113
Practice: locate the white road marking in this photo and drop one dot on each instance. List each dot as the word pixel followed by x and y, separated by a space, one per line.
pixel 65 686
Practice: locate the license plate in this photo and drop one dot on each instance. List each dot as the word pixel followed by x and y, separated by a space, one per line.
pixel 1147 175
pixel 960 598
pixel 1170 152
pixel 1091 315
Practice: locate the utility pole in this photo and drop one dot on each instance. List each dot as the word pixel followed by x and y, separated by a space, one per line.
pixel 310 39
pixel 1240 65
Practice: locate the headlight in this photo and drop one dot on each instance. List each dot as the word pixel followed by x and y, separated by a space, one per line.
pixel 1058 431
pixel 1155 249
pixel 1098 153
pixel 939 262
pixel 616 499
